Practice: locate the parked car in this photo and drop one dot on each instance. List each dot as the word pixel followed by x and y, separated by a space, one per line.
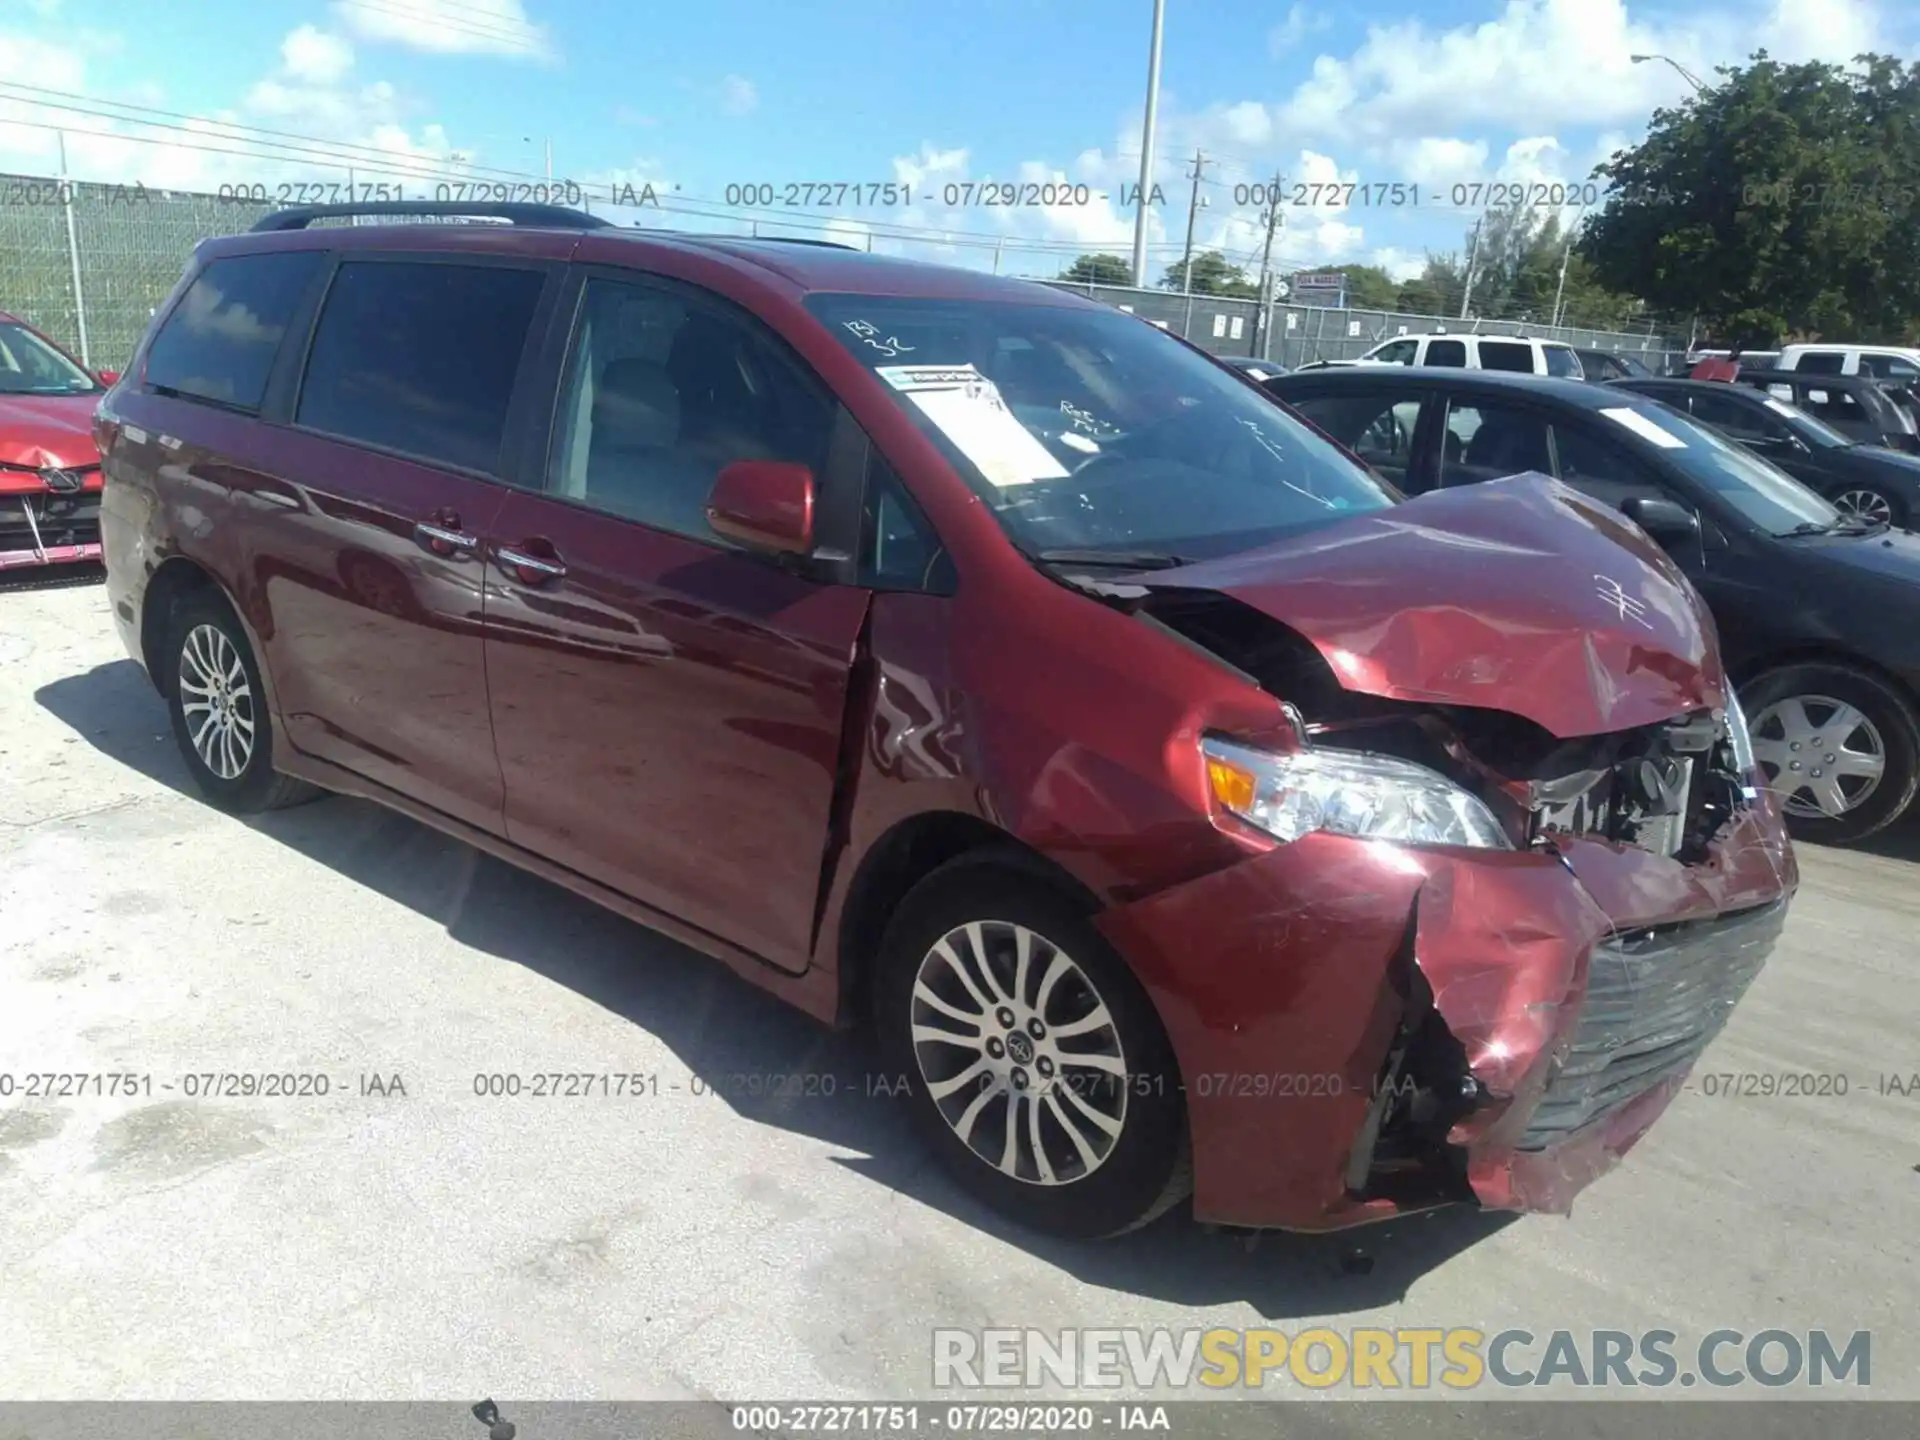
pixel 1858 407
pixel 49 469
pixel 1478 352
pixel 961 653
pixel 1870 480
pixel 1610 365
pixel 1252 366
pixel 1818 611
pixel 1881 362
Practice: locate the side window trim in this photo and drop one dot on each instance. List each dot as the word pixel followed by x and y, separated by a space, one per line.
pixel 525 374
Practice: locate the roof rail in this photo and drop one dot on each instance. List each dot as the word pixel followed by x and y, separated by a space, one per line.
pixel 550 217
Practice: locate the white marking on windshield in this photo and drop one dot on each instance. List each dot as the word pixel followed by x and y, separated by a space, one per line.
pixel 1267 444
pixel 870 333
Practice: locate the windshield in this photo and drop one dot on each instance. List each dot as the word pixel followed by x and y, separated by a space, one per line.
pixel 1090 430
pixel 1563 362
pixel 1761 492
pixel 30 366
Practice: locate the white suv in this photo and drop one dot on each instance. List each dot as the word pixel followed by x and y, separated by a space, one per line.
pixel 1479 352
pixel 1882 362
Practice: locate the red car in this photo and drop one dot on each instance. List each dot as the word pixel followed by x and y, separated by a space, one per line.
pixel 49 469
pixel 1188 813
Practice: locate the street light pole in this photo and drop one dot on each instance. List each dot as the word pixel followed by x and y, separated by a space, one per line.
pixel 1146 149
pixel 1699 86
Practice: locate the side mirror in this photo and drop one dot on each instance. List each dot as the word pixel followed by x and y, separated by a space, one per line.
pixel 1663 519
pixel 106 377
pixel 765 505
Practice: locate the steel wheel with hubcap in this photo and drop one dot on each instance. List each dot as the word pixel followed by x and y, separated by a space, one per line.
pixel 220 716
pixel 1039 1072
pixel 1837 748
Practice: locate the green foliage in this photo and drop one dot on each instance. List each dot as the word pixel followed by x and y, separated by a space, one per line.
pixel 1368 286
pixel 1099 270
pixel 1213 274
pixel 1783 201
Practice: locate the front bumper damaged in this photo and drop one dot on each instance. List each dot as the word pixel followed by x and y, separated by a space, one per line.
pixel 1371 1029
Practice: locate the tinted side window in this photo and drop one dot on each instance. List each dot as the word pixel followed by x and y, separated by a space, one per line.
pixel 663 391
pixel 1378 427
pixel 1888 367
pixel 1820 364
pixel 1447 352
pixel 220 341
pixel 1506 355
pixel 420 358
pixel 1488 442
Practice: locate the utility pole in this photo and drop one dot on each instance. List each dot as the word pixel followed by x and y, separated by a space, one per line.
pixel 1473 254
pixel 1186 260
pixel 73 253
pixel 1266 258
pixel 1565 255
pixel 1146 149
pixel 549 160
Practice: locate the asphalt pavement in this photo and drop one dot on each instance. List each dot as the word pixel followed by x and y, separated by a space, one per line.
pixel 403 1236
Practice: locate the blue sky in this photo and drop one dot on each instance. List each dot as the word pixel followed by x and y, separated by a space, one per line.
pixel 692 98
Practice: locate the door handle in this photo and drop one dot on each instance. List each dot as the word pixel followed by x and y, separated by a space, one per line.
pixel 526 568
pixel 443 541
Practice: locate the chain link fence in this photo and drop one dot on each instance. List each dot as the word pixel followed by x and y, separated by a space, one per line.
pixel 89 263
pixel 1297 334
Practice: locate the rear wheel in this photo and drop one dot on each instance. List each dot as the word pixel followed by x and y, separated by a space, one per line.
pixel 1040 1075
pixel 219 710
pixel 1839 748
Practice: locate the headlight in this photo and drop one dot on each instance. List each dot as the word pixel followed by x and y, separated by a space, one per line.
pixel 1741 739
pixel 1345 792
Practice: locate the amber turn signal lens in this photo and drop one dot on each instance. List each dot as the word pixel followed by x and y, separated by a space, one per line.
pixel 1233 788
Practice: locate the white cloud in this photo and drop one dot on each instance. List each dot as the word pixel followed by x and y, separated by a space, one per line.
pixel 314 56
pixel 1401 265
pixel 1551 64
pixel 448 27
pixel 738 96
pixel 1301 22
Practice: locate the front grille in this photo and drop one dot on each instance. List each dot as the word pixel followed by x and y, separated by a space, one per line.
pixel 1655 999
pixel 46 522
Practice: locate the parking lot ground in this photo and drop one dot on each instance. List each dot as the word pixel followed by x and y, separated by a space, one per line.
pixel 403 1236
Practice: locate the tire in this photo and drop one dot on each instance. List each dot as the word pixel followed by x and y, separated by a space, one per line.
pixel 1872 501
pixel 206 637
pixel 1120 1178
pixel 1886 726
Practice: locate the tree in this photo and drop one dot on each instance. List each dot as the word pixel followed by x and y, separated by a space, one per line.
pixel 1435 290
pixel 1099 270
pixel 1213 274
pixel 1784 200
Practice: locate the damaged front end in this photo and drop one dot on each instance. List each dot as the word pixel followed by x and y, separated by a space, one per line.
pixel 1517 1011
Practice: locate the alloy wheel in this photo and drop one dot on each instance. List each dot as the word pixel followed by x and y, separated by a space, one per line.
pixel 1867 504
pixel 1019 1052
pixel 1823 757
pixel 217 701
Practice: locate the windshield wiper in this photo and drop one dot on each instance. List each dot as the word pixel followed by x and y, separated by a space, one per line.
pixel 1811 527
pixel 1114 559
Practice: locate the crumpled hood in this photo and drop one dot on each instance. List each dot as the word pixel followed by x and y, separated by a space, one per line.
pixel 1519 595
pixel 48 431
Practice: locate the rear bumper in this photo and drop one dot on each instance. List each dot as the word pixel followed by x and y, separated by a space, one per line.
pixel 1569 991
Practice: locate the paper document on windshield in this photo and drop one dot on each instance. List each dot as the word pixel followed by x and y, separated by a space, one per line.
pixel 967 407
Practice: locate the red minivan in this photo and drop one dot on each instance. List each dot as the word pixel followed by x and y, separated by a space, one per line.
pixel 1189 813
